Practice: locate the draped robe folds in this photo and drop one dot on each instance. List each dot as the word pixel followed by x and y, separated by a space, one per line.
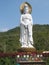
pixel 26 38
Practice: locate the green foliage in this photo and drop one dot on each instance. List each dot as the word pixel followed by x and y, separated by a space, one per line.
pixel 7 61
pixel 41 37
pixel 9 41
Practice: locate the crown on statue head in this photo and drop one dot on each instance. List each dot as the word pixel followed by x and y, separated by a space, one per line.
pixel 23 5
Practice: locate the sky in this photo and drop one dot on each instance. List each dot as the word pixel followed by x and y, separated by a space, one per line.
pixel 10 13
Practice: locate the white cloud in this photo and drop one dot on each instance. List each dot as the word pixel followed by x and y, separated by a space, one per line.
pixel 4 30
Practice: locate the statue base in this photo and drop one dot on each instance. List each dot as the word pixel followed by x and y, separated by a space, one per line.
pixel 27 49
pixel 29 56
pixel 32 63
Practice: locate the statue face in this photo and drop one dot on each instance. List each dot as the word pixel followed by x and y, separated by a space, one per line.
pixel 26 9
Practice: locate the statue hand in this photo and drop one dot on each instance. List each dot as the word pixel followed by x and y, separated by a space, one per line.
pixel 25 26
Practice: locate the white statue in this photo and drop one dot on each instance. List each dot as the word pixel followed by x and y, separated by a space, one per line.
pixel 26 38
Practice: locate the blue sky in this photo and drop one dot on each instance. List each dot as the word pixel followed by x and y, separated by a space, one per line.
pixel 10 13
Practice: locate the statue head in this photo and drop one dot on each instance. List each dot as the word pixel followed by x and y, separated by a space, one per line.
pixel 25 8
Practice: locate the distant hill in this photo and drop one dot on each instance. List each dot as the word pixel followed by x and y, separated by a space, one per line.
pixel 9 41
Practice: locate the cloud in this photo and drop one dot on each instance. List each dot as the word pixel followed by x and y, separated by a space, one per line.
pixel 4 30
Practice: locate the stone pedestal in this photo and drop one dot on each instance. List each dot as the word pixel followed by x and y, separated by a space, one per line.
pixel 27 49
pixel 28 56
pixel 32 63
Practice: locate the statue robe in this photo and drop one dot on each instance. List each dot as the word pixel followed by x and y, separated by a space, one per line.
pixel 26 30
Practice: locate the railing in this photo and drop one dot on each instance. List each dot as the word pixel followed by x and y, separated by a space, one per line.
pixel 13 57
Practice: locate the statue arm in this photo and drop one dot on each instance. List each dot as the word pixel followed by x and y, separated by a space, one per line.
pixel 22 20
pixel 31 20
